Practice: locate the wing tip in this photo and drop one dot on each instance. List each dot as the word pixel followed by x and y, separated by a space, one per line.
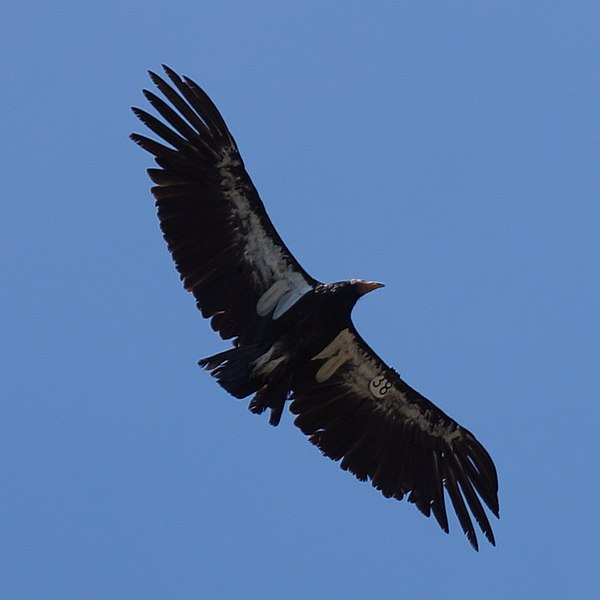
pixel 170 72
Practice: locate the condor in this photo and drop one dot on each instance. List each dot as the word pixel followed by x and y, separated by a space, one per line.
pixel 293 337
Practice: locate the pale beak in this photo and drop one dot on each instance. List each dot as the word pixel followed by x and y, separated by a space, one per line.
pixel 364 287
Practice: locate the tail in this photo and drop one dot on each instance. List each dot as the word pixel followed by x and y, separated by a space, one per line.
pixel 253 369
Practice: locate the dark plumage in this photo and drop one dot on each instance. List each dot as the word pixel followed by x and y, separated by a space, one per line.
pixel 293 338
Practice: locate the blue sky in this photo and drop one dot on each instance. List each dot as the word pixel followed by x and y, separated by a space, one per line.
pixel 451 150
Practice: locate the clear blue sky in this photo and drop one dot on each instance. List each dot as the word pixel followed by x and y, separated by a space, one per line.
pixel 451 150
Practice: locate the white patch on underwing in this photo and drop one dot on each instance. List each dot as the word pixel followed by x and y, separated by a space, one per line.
pixel 335 355
pixel 269 366
pixel 366 374
pixel 263 359
pixel 267 259
pixel 266 363
pixel 329 367
pixel 279 298
pixel 289 299
pixel 339 342
pixel 267 302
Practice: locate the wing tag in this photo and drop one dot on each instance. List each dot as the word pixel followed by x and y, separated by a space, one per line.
pixel 379 386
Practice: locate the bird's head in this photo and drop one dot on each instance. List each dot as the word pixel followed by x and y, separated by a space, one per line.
pixel 351 289
pixel 345 294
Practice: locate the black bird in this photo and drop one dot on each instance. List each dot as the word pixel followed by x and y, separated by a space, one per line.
pixel 293 338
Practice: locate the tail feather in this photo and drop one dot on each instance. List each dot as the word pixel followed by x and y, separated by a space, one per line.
pixel 253 369
pixel 273 395
pixel 233 369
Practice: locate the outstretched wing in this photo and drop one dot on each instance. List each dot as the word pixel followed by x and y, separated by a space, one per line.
pixel 357 409
pixel 223 243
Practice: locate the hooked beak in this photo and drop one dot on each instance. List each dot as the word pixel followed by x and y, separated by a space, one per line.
pixel 364 287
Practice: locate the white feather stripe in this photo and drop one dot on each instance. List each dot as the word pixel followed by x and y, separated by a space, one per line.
pixel 268 367
pixel 262 359
pixel 329 368
pixel 364 371
pixel 335 355
pixel 267 302
pixel 289 299
pixel 339 342
pixel 268 260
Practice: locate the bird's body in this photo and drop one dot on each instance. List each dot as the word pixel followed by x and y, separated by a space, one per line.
pixel 273 364
pixel 293 337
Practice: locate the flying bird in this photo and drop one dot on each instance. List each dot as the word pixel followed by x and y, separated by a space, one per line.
pixel 292 336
